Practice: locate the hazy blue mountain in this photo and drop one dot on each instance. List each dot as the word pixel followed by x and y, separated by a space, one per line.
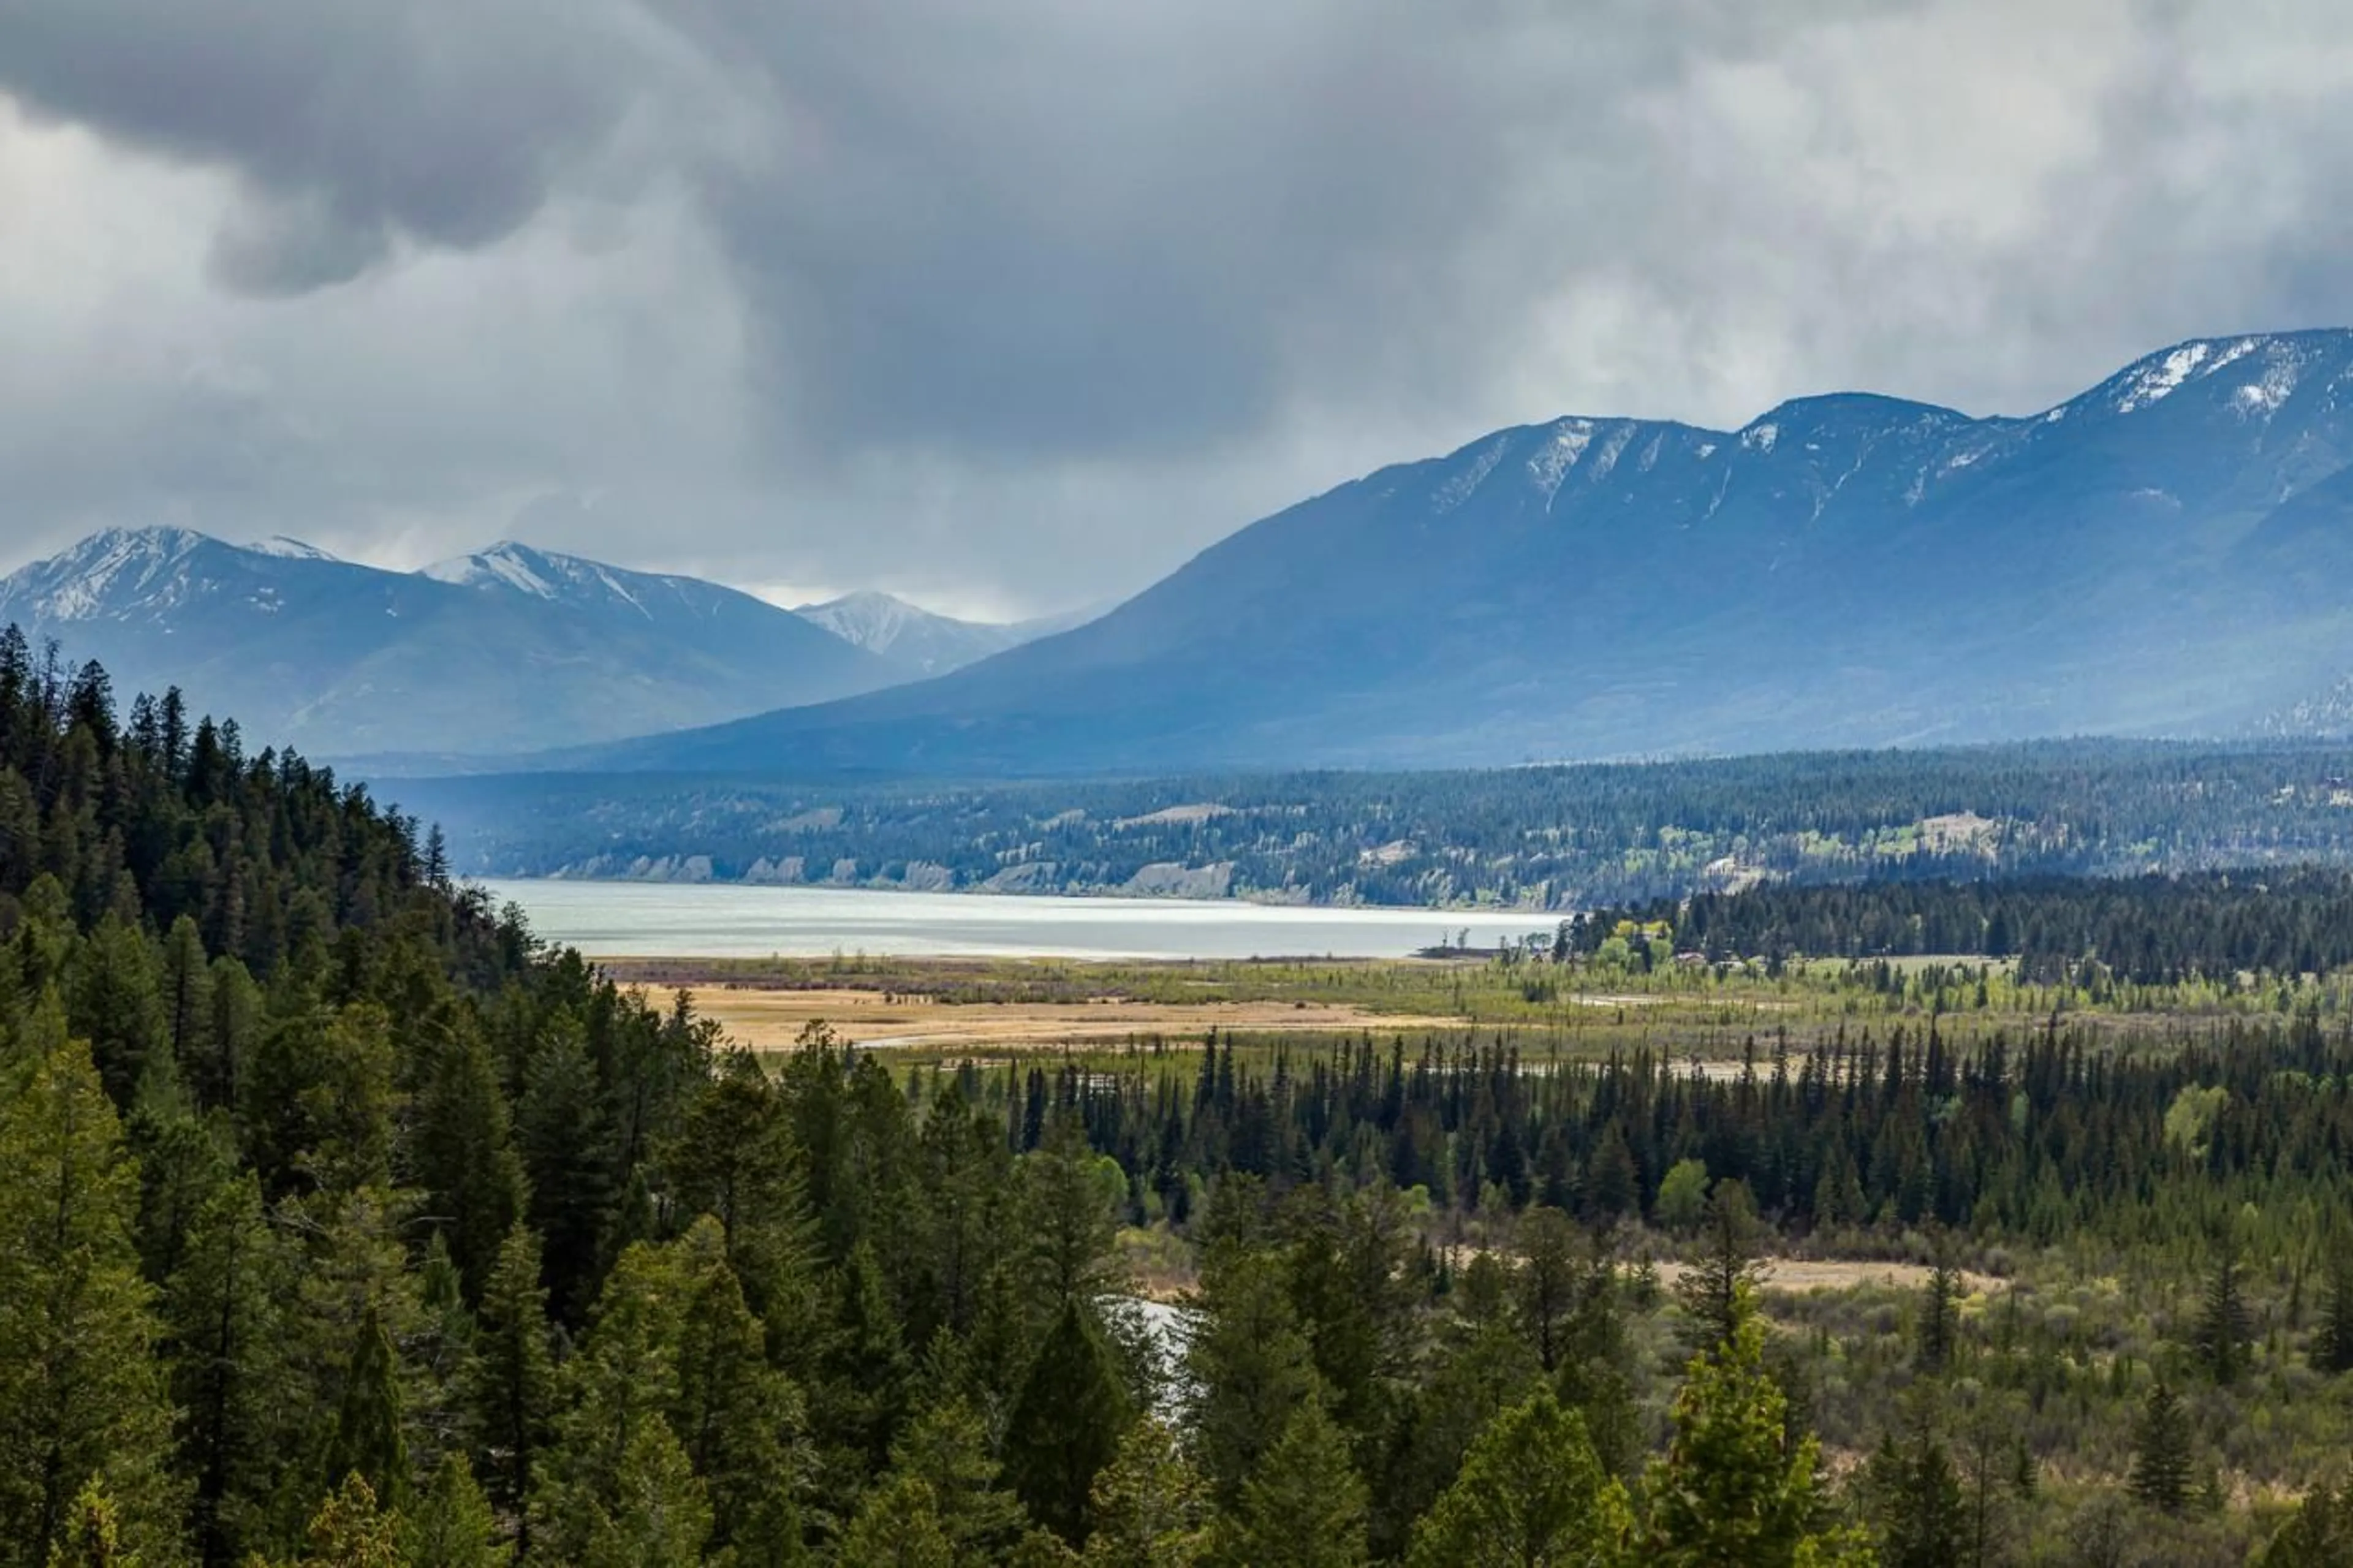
pixel 2167 554
pixel 509 650
pixel 920 642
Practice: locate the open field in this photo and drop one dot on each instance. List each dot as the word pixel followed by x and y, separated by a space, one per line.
pixel 772 1019
pixel 952 1008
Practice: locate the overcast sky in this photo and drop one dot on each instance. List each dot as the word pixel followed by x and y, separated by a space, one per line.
pixel 1012 305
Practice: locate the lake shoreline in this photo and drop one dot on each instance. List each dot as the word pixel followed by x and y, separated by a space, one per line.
pixel 654 921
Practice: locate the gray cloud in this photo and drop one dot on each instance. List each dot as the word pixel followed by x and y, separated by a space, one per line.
pixel 354 127
pixel 1020 303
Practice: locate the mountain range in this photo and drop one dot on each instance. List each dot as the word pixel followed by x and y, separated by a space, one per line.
pixel 919 642
pixel 507 650
pixel 2167 554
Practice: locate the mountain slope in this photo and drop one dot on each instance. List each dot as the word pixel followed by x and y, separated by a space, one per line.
pixel 913 639
pixel 512 650
pixel 2163 554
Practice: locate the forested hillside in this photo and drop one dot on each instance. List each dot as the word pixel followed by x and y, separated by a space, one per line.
pixel 2147 931
pixel 342 1225
pixel 1542 838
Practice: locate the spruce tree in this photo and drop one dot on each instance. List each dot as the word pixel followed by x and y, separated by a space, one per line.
pixel 946 1447
pixel 1939 1319
pixel 230 1375
pixel 658 1516
pixel 461 1154
pixel 1303 1506
pixel 564 1137
pixel 2223 1333
pixel 2160 1460
pixel 898 1526
pixel 1150 1507
pixel 81 1391
pixel 514 1378
pixel 1246 1365
pixel 737 1419
pixel 1918 1502
pixel 368 1441
pixel 1531 1490
pixel 2332 1346
pixel 451 1524
pixel 1066 1425
pixel 1710 1287
pixel 1731 1489
pixel 602 1460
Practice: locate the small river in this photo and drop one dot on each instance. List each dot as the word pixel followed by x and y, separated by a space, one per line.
pixel 662 919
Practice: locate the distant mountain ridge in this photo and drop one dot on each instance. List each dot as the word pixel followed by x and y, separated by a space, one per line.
pixel 921 641
pixel 509 649
pixel 2167 554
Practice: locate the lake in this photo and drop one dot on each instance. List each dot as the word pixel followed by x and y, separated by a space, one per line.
pixel 664 919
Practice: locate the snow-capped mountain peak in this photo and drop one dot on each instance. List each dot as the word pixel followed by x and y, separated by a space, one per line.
pixel 511 567
pixel 914 638
pixel 111 572
pixel 285 549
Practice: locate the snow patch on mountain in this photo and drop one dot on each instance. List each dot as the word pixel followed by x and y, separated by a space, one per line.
pixel 285 549
pixel 2153 383
pixel 111 572
pixel 1565 444
pixel 504 563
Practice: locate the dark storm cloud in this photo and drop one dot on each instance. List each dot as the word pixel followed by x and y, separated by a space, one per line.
pixel 355 126
pixel 1025 299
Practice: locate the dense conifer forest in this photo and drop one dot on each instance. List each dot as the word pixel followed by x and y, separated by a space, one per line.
pixel 2149 930
pixel 342 1224
pixel 1536 837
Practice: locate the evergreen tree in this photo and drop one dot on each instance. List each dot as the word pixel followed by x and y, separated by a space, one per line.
pixel 350 1530
pixel 1918 1502
pixel 1067 1211
pixel 461 1156
pixel 658 1516
pixel 2223 1328
pixel 1150 1507
pixel 2332 1346
pixel 368 1441
pixel 81 1395
pixel 1247 1367
pixel 2160 1460
pixel 946 1447
pixel 1730 1489
pixel 1551 1282
pixel 93 1535
pixel 1532 1494
pixel 737 1419
pixel 513 1383
pixel 563 1136
pixel 1304 1506
pixel 862 1391
pixel 898 1526
pixel 613 1451
pixel 1066 1425
pixel 733 1159
pixel 230 1376
pixel 1711 1288
pixel 1939 1319
pixel 451 1524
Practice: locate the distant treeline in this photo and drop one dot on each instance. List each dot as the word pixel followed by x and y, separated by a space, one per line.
pixel 2151 929
pixel 1539 837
